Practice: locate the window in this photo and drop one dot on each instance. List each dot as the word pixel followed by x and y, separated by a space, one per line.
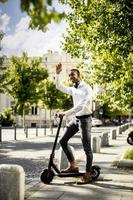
pixel 34 110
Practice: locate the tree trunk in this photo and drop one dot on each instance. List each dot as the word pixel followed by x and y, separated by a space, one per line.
pixel 51 125
pixel 130 115
pixel 45 125
pixel 24 120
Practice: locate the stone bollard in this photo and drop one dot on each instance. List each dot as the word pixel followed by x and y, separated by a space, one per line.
pixel 104 139
pixel 118 130
pixel 113 134
pixel 12 182
pixel 62 159
pixel 96 144
pixel 122 129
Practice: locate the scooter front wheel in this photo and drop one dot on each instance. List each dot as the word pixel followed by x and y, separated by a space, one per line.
pixel 130 140
pixel 47 176
pixel 95 172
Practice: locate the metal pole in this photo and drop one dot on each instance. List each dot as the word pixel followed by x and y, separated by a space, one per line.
pixel 45 123
pixel 36 131
pixel 15 133
pixel 26 131
pixel 0 133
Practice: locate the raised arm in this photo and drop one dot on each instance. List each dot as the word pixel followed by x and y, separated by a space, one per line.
pixel 59 85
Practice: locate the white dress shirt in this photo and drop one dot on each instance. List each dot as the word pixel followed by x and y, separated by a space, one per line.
pixel 81 97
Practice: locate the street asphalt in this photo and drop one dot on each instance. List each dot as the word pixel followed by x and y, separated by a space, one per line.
pixel 33 155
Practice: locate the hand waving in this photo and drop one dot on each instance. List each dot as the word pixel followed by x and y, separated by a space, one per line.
pixel 58 68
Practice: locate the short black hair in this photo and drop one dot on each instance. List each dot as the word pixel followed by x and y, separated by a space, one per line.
pixel 76 70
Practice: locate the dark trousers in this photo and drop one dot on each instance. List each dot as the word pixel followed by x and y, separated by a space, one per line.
pixel 84 126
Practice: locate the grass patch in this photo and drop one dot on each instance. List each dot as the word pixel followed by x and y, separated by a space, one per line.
pixel 128 155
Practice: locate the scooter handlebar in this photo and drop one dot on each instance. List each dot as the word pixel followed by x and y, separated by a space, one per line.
pixel 58 115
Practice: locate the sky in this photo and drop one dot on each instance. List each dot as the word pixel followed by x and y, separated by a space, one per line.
pixel 19 38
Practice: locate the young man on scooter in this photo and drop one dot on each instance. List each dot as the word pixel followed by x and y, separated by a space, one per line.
pixel 81 95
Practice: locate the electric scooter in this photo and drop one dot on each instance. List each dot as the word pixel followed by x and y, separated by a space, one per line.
pixel 130 138
pixel 48 174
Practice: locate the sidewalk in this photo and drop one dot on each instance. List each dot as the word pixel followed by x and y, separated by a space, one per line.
pixel 113 183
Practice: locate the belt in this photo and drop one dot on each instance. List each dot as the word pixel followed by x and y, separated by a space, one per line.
pixel 83 116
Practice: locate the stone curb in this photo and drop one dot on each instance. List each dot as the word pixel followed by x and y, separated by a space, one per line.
pixel 125 164
pixel 34 187
pixel 122 163
pixel 116 178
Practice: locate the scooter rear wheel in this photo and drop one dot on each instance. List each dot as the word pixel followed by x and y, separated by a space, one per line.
pixel 95 172
pixel 47 176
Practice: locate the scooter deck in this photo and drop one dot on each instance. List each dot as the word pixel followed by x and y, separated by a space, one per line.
pixel 70 174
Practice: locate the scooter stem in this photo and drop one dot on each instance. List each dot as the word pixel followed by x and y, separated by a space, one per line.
pixel 55 142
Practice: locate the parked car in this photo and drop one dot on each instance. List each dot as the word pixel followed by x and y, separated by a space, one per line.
pixel 96 122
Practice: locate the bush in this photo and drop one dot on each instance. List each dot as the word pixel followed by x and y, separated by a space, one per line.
pixel 6 118
pixel 129 154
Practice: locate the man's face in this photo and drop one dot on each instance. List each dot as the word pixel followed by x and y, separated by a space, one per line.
pixel 74 76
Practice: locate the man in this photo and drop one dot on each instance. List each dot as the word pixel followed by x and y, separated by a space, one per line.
pixel 81 95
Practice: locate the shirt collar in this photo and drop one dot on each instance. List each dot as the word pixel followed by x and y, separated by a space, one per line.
pixel 77 84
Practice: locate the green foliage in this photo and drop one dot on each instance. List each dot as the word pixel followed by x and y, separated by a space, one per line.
pixel 6 118
pixel 101 31
pixel 50 95
pixel 41 12
pixel 26 107
pixel 2 75
pixel 116 81
pixel 25 78
pixel 99 25
pixel 128 155
pixel 3 69
pixel 1 37
pixel 3 1
pixel 53 98
pixel 66 102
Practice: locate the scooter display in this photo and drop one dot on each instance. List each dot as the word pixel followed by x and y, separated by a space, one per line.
pixel 48 174
pixel 130 138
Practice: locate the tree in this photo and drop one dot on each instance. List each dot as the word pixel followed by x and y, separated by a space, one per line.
pixel 25 78
pixel 6 117
pixel 41 12
pixel 53 98
pixel 66 102
pixel 3 70
pixel 101 31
